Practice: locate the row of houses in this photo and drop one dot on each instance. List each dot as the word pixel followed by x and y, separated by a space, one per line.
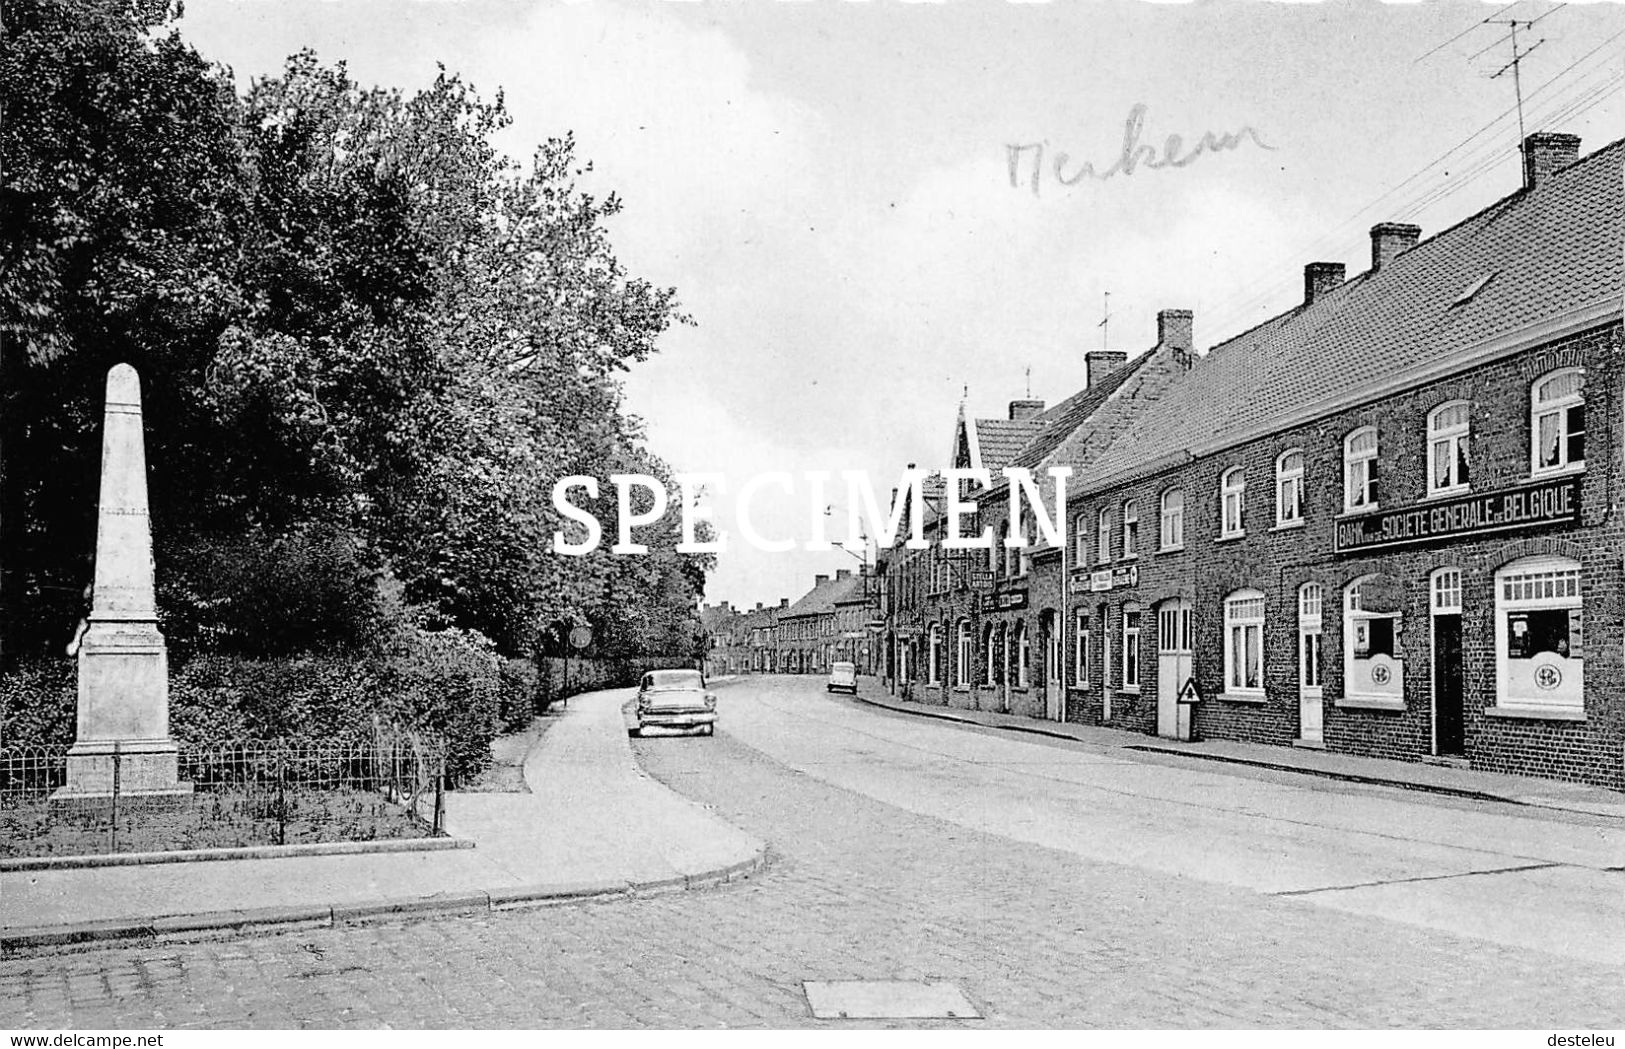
pixel 1385 522
pixel 832 622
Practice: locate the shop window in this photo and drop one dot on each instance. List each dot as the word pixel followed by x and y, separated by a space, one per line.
pixel 1373 651
pixel 1244 642
pixel 1131 530
pixel 1289 489
pixel 1449 427
pixel 1173 519
pixel 1023 654
pixel 1232 503
pixel 1309 603
pixel 963 652
pixel 1080 539
pixel 1103 535
pixel 933 675
pixel 1539 635
pixel 1360 469
pixel 1080 648
pixel 1557 421
pixel 1131 648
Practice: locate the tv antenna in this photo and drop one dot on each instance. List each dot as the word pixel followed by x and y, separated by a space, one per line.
pixel 1518 55
pixel 1105 321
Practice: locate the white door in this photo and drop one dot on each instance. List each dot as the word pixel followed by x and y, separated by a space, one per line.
pixel 1052 666
pixel 1173 662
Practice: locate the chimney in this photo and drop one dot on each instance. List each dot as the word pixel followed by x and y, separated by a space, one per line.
pixel 1025 409
pixel 1100 363
pixel 842 573
pixel 784 602
pixel 1320 278
pixel 1545 153
pixel 758 606
pixel 1388 239
pixel 820 580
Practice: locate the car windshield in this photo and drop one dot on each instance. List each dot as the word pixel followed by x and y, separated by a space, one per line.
pixel 673 680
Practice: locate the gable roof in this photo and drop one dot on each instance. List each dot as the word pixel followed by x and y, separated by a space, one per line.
pixel 822 597
pixel 1554 262
pixel 1062 420
pixel 1001 440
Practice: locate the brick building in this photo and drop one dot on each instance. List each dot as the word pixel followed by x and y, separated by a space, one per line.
pixel 1383 522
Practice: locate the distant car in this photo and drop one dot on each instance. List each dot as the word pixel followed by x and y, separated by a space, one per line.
pixel 843 676
pixel 676 699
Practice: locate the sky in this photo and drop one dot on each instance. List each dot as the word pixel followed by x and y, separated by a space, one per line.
pixel 827 184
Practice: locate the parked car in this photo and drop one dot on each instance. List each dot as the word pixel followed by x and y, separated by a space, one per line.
pixel 843 676
pixel 676 699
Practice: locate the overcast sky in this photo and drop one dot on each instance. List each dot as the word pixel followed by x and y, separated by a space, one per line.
pixel 826 183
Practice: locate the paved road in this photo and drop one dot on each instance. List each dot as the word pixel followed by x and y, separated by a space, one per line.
pixel 1056 883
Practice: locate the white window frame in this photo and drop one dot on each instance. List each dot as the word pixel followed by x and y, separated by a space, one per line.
pixel 1172 534
pixel 1311 674
pixel 1081 635
pixel 1353 613
pixel 1243 637
pixel 931 676
pixel 1444 592
pixel 1455 438
pixel 1080 541
pixel 1360 471
pixel 1289 479
pixel 1233 494
pixel 1133 619
pixel 964 647
pixel 1545 582
pixel 1559 408
pixel 1023 653
pixel 1103 535
pixel 1130 516
pixel 990 647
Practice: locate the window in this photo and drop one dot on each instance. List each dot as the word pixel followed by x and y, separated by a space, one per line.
pixel 1080 648
pixel 1029 543
pixel 1360 469
pixel 1244 642
pixel 1103 535
pixel 1131 529
pixel 1448 429
pixel 1232 502
pixel 1023 654
pixel 1289 489
pixel 1105 652
pixel 1131 648
pixel 933 672
pixel 1539 635
pixel 1373 648
pixel 1173 519
pixel 990 652
pixel 963 652
pixel 1447 592
pixel 1309 601
pixel 1080 539
pixel 1005 562
pixel 1557 421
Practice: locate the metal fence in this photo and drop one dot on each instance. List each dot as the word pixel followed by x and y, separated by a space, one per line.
pixel 242 793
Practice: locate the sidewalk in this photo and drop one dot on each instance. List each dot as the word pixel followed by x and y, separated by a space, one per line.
pixel 1409 775
pixel 594 825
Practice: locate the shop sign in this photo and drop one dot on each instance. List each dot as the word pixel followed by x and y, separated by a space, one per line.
pixel 1012 599
pixel 1106 579
pixel 1526 506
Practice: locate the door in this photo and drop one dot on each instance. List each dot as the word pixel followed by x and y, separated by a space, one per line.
pixel 1050 623
pixel 1173 662
pixel 1449 737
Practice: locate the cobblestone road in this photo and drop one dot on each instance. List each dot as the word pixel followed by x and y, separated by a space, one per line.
pixel 857 890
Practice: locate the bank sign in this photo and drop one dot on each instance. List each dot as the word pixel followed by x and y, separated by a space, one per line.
pixel 1527 506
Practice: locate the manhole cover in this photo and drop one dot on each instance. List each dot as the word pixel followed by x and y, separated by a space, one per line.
pixel 887 1000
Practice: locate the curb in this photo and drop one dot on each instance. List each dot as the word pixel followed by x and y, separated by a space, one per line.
pixel 249 852
pixel 21 940
pixel 1274 766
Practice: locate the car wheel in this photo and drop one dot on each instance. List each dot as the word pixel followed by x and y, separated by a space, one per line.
pixel 710 730
pixel 635 731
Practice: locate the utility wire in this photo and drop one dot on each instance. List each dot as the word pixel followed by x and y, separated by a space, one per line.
pixel 1464 32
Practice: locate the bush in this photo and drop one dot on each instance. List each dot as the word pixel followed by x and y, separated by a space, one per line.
pixel 39 703
pixel 520 695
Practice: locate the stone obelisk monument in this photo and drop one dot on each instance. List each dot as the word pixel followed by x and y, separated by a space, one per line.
pixel 123 665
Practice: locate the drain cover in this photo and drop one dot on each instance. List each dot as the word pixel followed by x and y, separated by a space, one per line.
pixel 887 1000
